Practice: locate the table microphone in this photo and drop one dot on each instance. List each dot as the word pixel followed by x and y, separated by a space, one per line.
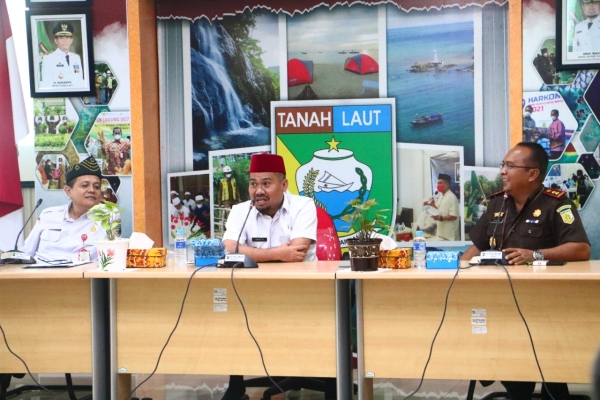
pixel 237 260
pixel 15 256
pixel 493 256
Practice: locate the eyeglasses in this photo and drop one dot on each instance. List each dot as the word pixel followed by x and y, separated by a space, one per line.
pixel 508 167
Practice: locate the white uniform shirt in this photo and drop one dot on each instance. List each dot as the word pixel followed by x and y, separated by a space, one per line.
pixel 93 148
pixel 191 204
pixel 297 218
pixel 587 39
pixel 183 212
pixel 448 205
pixel 57 73
pixel 56 236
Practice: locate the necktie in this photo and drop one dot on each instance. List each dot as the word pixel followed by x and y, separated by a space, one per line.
pixel 590 24
pixel 67 57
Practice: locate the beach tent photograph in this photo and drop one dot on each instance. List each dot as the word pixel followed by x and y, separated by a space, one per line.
pixel 361 64
pixel 299 72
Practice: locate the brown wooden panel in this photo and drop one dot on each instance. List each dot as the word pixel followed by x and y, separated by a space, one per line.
pixel 401 317
pixel 145 126
pixel 515 70
pixel 293 321
pixel 47 323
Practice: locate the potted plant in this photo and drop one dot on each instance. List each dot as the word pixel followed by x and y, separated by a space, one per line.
pixel 112 250
pixel 364 248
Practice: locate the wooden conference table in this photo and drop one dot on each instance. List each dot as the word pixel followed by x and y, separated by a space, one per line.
pixel 298 313
pixel 399 312
pixel 46 315
pixel 52 323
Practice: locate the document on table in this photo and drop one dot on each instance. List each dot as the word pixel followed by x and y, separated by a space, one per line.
pixel 43 263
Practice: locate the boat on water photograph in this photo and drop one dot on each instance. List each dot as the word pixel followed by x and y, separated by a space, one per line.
pixel 427 119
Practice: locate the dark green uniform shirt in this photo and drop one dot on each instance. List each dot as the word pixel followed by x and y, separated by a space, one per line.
pixel 548 219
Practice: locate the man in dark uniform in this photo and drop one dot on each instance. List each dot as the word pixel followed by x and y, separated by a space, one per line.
pixel 528 125
pixel 202 213
pixel 528 222
pixel 543 64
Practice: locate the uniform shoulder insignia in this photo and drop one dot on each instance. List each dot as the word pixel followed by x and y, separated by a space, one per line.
pixel 556 193
pixel 501 192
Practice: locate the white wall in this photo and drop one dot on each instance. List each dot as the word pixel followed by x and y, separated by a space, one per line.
pixel 413 165
pixel 16 13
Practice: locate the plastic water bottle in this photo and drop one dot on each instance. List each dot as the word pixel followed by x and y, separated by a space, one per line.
pixel 419 250
pixel 180 249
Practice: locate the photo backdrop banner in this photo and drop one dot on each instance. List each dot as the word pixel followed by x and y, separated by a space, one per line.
pixel 70 129
pixel 217 9
pixel 428 61
pixel 574 94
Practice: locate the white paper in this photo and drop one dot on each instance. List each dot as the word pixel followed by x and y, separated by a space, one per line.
pixel 140 240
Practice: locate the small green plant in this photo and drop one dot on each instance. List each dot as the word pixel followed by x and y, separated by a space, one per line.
pixel 106 216
pixel 360 214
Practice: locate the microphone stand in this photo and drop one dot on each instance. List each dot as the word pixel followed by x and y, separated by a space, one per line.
pixel 238 260
pixel 16 256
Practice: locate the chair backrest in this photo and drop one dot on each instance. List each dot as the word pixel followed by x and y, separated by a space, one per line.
pixel 328 244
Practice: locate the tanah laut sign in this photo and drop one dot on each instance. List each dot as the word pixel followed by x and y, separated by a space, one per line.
pixel 336 151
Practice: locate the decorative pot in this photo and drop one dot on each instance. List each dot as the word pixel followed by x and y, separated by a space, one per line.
pixel 364 254
pixel 112 254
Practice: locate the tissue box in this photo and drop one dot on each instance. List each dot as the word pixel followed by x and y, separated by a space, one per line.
pixel 396 258
pixel 207 251
pixel 442 259
pixel 148 258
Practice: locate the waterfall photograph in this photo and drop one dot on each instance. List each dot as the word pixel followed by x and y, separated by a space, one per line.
pixel 235 75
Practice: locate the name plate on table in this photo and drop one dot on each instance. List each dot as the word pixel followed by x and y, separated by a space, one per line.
pixel 234 257
pixel 492 257
pixel 14 254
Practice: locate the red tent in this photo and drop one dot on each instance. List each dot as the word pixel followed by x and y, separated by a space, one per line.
pixel 361 64
pixel 299 72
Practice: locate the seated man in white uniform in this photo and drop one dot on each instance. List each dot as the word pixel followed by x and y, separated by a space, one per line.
pixel 61 232
pixel 281 227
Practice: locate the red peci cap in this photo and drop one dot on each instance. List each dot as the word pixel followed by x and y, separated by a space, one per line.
pixel 266 162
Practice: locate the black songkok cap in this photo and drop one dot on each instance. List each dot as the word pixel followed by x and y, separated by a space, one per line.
pixel 445 177
pixel 89 166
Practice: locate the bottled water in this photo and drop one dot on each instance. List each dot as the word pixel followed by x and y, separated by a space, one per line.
pixel 419 250
pixel 180 249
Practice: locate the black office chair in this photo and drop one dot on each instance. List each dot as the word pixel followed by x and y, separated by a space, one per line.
pixel 69 387
pixel 504 395
pixel 325 385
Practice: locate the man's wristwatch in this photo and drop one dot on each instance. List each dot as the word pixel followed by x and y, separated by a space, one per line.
pixel 537 255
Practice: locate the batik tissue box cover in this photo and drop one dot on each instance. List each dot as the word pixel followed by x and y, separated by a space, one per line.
pixel 442 259
pixel 147 258
pixel 398 258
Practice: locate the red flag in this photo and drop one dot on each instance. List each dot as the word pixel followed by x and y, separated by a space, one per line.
pixel 10 181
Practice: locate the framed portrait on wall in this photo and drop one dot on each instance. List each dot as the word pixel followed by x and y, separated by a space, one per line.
pixel 60 52
pixel 57 3
pixel 577 34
